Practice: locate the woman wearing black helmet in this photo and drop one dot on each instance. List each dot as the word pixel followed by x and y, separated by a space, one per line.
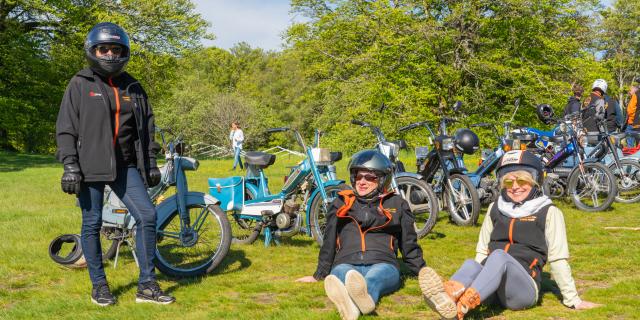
pixel 521 233
pixel 105 135
pixel 365 229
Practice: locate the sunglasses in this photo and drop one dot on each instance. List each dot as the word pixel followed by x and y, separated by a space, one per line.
pixel 508 183
pixel 104 49
pixel 367 176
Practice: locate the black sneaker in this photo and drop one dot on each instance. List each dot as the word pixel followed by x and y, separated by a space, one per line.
pixel 101 295
pixel 151 292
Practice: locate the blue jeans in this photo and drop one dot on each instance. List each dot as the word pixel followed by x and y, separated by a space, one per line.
pixel 236 158
pixel 382 278
pixel 130 188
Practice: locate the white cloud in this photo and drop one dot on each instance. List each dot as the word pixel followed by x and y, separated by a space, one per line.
pixel 259 23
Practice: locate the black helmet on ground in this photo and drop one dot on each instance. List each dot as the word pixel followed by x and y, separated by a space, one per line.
pixel 466 141
pixel 545 113
pixel 108 65
pixel 371 160
pixel 516 160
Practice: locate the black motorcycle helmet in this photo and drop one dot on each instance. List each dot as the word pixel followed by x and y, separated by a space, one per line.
pixel 374 161
pixel 466 141
pixel 545 113
pixel 107 33
pixel 520 160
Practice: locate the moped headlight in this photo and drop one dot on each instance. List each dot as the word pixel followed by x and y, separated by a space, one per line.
pixel 447 144
pixel 189 164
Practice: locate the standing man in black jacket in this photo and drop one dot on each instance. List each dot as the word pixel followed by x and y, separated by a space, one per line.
pixel 574 104
pixel 105 135
pixel 365 229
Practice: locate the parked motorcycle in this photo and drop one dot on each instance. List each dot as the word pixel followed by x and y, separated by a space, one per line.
pixel 443 168
pixel 309 188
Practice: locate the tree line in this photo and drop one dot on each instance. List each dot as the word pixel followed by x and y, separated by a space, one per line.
pixel 342 63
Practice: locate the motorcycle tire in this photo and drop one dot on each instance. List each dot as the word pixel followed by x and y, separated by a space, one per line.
pixel 423 198
pixel 577 183
pixel 468 214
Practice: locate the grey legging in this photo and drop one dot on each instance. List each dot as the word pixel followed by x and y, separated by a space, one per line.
pixel 501 274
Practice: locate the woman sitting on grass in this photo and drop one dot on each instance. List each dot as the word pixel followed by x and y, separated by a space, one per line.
pixel 364 231
pixel 521 233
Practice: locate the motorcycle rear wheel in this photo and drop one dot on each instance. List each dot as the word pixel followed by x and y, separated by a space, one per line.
pixel 595 189
pixel 463 202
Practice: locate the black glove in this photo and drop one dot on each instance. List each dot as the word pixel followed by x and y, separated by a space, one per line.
pixel 71 178
pixel 154 177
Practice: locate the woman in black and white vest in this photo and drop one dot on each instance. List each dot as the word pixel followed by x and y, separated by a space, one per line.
pixel 521 233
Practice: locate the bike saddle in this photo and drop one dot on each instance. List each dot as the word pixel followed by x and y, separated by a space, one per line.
pixel 556 139
pixel 335 156
pixel 259 159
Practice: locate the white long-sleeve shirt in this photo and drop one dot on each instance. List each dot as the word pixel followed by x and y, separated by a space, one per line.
pixel 237 138
pixel 557 255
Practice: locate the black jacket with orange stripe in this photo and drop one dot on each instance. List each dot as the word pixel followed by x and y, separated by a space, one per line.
pixel 363 231
pixel 85 127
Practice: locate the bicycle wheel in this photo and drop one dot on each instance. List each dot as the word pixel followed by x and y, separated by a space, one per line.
pixel 109 238
pixel 553 187
pixel 422 202
pixel 592 189
pixel 244 231
pixel 318 214
pixel 628 183
pixel 462 200
pixel 194 250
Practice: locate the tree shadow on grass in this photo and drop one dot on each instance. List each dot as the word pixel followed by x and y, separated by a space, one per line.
pixel 11 161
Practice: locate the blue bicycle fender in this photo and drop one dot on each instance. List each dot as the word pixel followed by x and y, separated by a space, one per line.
pixel 408 174
pixel 170 205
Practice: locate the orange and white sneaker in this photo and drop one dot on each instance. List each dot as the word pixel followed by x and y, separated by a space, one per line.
pixel 454 289
pixel 468 301
pixel 433 291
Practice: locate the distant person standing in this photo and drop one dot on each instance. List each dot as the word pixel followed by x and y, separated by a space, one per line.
pixel 573 105
pixel 237 138
pixel 633 117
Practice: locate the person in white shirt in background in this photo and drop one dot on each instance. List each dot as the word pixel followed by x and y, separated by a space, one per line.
pixel 521 233
pixel 237 137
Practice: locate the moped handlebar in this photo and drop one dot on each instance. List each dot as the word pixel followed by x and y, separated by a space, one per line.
pixel 360 123
pixel 274 130
pixel 482 124
pixel 410 126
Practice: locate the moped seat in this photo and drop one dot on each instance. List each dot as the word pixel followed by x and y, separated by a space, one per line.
pixel 556 139
pixel 259 159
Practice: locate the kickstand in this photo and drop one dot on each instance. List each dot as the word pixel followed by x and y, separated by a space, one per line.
pixel 133 251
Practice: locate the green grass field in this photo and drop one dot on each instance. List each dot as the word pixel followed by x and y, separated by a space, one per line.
pixel 256 282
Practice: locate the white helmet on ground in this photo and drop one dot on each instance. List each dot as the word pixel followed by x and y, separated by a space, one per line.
pixel 600 84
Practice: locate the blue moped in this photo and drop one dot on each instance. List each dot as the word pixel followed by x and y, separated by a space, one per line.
pixel 309 188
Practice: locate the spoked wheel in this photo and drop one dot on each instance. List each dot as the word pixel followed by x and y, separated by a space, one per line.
pixel 243 230
pixel 628 180
pixel 194 250
pixel 109 239
pixel 318 214
pixel 593 188
pixel 422 202
pixel 462 199
pixel 553 187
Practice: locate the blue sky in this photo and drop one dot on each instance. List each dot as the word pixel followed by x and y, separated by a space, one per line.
pixel 260 23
